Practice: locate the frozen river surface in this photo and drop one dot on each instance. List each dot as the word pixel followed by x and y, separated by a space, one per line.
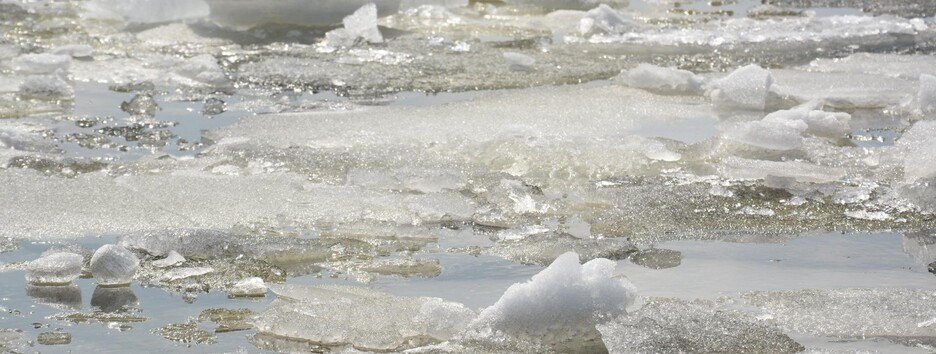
pixel 455 176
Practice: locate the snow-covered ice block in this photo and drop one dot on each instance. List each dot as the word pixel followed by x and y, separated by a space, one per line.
pixel 42 63
pixel 54 269
pixel 172 259
pixel 146 11
pixel 668 81
pixel 675 326
pixel 248 287
pixel 114 265
pixel 562 303
pixel 745 88
pixel 362 24
pixel 519 62
pixel 367 319
pixel 927 94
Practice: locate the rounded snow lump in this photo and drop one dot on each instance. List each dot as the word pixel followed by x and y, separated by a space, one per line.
pixel 54 269
pixel 114 265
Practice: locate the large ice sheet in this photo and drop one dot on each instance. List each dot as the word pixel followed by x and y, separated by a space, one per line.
pixel 673 326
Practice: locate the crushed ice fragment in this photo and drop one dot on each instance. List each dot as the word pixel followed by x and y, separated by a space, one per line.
pixel 172 259
pixel 562 303
pixel 656 79
pixel 519 62
pixel 114 265
pixel 213 106
pixel 248 287
pixel 187 272
pixel 603 20
pixel 141 104
pixel 745 88
pixel 46 87
pixel 54 338
pixel 54 269
pixel 657 258
pixel 769 134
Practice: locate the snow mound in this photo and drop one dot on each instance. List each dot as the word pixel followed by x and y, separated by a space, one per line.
pixel 745 88
pixel 667 81
pixel 562 303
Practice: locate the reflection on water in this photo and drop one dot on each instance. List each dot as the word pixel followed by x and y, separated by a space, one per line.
pixel 66 297
pixel 920 246
pixel 113 299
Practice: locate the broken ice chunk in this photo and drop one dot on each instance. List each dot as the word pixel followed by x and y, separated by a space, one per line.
pixel 563 303
pixel 519 62
pixel 42 63
pixel 248 287
pixel 142 104
pixel 182 273
pixel 927 94
pixel 114 265
pixel 145 11
pixel 362 24
pixel 54 269
pixel 667 81
pixel 603 20
pixel 819 122
pixel 745 88
pixel 174 258
pixel 74 50
pixel 367 319
pixel 769 134
pixel 203 69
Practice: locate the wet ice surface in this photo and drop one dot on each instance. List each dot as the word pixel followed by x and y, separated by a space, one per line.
pixel 265 164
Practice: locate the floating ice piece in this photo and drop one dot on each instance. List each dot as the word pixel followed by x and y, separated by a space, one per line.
pixel 114 265
pixel 47 87
pixel 769 134
pixel 249 287
pixel 674 326
pixel 366 319
pixel 819 122
pixel 248 13
pixel 519 62
pixel 745 88
pixel 804 172
pixel 146 11
pixel 362 24
pixel 73 50
pixel 562 303
pixel 54 269
pixel 43 63
pixel 173 258
pixel 927 94
pixel 603 19
pixel 667 81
